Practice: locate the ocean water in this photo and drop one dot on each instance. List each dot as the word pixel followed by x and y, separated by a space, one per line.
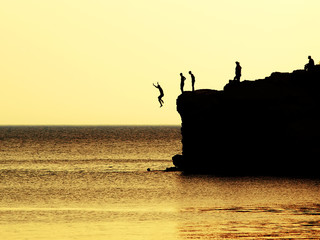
pixel 92 183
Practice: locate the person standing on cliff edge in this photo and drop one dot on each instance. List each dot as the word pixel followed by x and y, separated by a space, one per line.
pixel 161 94
pixel 182 82
pixel 193 80
pixel 238 72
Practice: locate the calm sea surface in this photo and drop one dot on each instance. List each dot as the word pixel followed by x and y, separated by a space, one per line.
pixel 92 183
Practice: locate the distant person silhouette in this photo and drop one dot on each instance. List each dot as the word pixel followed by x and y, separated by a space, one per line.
pixel 309 65
pixel 193 80
pixel 161 94
pixel 238 72
pixel 182 82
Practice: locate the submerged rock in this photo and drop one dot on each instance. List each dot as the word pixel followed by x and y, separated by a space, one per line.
pixel 268 126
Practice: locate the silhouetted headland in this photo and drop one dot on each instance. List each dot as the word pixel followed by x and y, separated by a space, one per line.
pixel 269 126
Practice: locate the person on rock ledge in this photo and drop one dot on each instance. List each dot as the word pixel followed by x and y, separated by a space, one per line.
pixel 238 72
pixel 309 65
pixel 193 80
pixel 182 82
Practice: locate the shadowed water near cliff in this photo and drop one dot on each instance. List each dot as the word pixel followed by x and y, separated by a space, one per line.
pixel 262 127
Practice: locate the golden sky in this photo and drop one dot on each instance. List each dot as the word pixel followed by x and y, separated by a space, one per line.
pixel 94 61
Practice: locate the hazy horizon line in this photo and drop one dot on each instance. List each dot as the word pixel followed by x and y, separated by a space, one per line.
pixel 90 125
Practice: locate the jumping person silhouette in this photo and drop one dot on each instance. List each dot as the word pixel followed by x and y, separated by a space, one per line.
pixel 161 94
pixel 182 82
pixel 193 80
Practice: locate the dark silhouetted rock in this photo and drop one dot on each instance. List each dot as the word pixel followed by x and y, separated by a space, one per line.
pixel 177 160
pixel 261 127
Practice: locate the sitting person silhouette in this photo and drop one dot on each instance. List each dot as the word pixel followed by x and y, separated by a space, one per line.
pixel 238 72
pixel 161 94
pixel 182 82
pixel 193 80
pixel 309 65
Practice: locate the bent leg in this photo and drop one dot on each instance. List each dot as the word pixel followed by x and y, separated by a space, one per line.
pixel 160 100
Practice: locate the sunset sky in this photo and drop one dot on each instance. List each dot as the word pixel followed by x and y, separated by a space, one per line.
pixel 86 62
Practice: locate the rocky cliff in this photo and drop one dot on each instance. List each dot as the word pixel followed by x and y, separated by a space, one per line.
pixel 262 127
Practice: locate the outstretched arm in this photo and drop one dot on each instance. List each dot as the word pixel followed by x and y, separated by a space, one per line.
pixel 155 85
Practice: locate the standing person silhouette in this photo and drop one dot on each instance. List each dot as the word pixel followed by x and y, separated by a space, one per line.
pixel 238 72
pixel 161 94
pixel 193 80
pixel 182 82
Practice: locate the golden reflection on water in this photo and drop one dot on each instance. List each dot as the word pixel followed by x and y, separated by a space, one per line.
pixel 89 231
pixel 91 184
pixel 86 223
pixel 159 205
pixel 259 223
pixel 249 208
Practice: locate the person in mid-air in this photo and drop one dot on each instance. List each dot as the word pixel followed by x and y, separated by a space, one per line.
pixel 238 72
pixel 193 80
pixel 182 82
pixel 161 94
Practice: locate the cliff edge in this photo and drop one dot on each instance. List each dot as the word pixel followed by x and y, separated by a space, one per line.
pixel 263 127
